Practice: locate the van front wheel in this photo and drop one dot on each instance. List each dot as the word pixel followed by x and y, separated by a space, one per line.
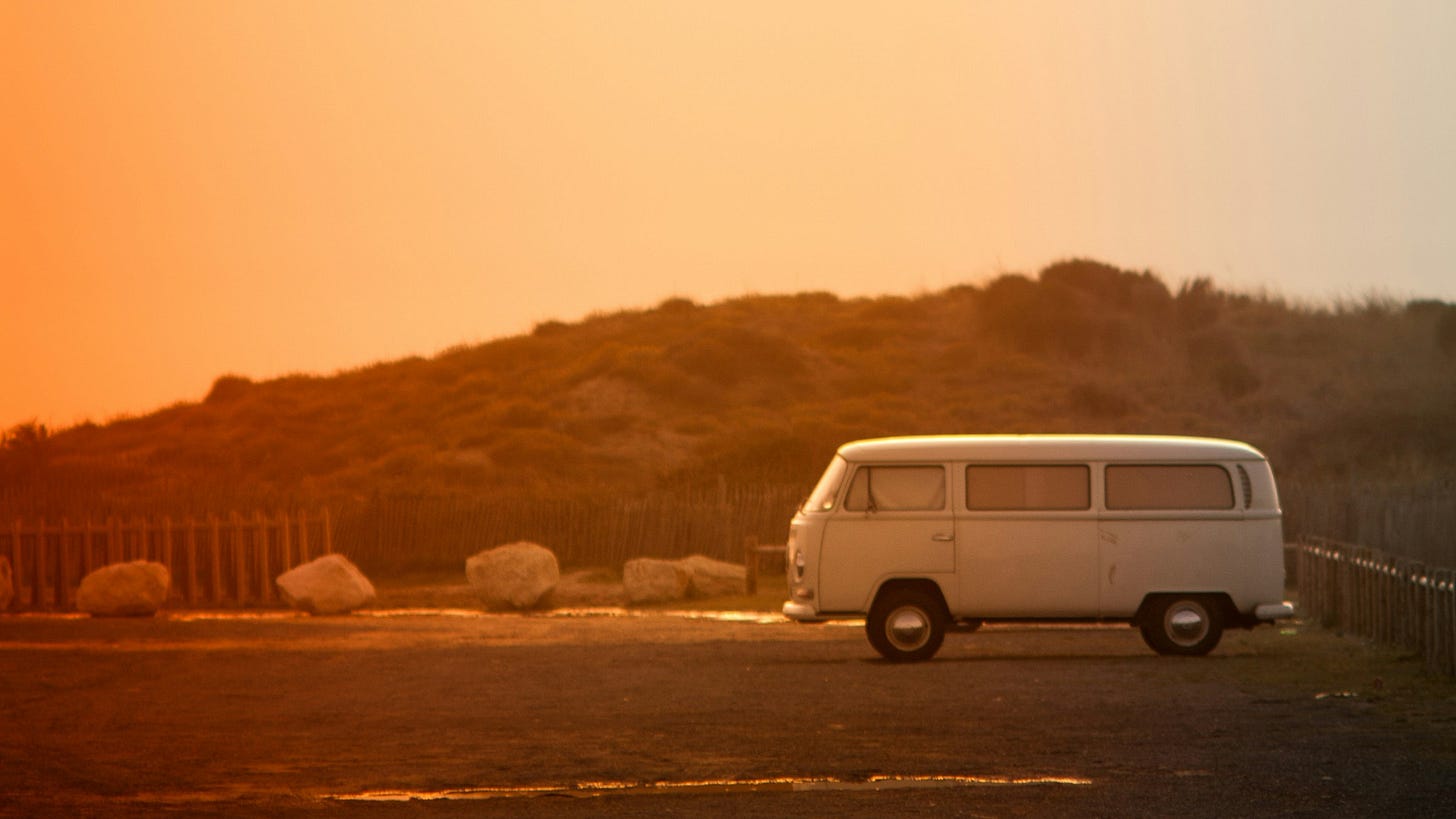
pixel 1188 626
pixel 906 625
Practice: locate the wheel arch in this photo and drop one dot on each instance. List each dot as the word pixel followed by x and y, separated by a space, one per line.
pixel 921 584
pixel 1226 609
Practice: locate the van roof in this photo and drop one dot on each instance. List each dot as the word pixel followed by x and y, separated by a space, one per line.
pixel 1049 448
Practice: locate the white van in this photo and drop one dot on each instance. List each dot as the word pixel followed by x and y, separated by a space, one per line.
pixel 1180 537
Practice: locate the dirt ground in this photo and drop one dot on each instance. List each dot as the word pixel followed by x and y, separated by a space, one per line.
pixel 456 712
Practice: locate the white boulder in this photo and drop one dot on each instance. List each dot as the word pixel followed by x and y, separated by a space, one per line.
pixel 328 585
pixel 513 576
pixel 135 589
pixel 7 583
pixel 650 580
pixel 714 578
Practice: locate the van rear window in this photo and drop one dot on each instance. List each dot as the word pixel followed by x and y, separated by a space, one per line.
pixel 1169 486
pixel 1048 487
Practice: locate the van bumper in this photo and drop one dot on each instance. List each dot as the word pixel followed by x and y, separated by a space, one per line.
pixel 1273 611
pixel 802 612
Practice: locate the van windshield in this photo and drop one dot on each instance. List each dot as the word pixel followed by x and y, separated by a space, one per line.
pixel 825 492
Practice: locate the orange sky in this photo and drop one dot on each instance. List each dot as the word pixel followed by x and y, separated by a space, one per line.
pixel 192 188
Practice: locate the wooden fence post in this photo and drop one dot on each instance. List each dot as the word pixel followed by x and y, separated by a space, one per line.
pixel 37 567
pixel 1431 619
pixel 215 565
pixel 303 537
pixel 15 569
pixel 750 561
pixel 240 558
pixel 189 586
pixel 285 537
pixel 63 568
pixel 113 540
pixel 88 554
pixel 167 544
pixel 265 569
pixel 1445 596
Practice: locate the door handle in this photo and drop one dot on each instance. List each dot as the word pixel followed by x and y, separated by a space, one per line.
pixel 942 537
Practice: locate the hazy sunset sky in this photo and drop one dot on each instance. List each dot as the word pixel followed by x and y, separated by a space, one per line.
pixel 195 188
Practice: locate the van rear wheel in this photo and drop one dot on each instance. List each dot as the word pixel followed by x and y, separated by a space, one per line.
pixel 1187 626
pixel 906 625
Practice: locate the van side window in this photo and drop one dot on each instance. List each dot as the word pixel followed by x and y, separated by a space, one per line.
pixel 1006 488
pixel 1169 486
pixel 896 489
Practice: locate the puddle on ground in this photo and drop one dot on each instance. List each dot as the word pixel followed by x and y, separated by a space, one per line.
pixel 283 615
pixel 601 611
pixel 884 782
pixel 606 612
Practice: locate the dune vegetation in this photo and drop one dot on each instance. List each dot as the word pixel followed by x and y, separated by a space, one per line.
pixel 711 408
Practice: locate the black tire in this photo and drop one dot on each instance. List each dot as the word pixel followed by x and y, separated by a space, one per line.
pixel 906 625
pixel 1187 626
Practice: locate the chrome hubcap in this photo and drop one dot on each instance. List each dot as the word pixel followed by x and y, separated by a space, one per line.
pixel 1186 623
pixel 907 628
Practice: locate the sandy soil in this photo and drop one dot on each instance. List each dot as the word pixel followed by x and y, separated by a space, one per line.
pixel 686 713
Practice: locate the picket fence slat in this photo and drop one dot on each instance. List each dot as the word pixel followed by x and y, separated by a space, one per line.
pixel 239 558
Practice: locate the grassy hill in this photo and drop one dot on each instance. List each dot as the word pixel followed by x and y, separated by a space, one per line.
pixel 758 391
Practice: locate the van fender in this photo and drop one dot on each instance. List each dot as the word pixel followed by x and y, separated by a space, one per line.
pixel 923 584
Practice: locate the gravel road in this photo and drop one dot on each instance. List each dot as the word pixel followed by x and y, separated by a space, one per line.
pixel 458 713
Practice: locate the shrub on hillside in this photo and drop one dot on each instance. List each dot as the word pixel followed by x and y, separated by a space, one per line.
pixel 541 451
pixel 1032 318
pixel 859 336
pixel 525 414
pixel 728 355
pixel 24 452
pixel 1094 401
pixel 1140 293
pixel 763 454
pixel 1217 356
pixel 227 388
pixel 677 304
pixel 1198 303
pixel 1446 331
pixel 549 327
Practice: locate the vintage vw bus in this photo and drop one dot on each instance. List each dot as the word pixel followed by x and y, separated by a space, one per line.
pixel 1180 537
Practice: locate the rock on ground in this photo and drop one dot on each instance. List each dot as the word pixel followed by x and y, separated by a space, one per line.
pixel 588 588
pixel 7 583
pixel 328 585
pixel 135 589
pixel 650 580
pixel 714 578
pixel 513 576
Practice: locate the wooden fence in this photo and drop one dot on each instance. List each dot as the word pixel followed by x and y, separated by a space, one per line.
pixel 229 561
pixel 1416 521
pixel 758 557
pixel 393 535
pixel 1381 597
